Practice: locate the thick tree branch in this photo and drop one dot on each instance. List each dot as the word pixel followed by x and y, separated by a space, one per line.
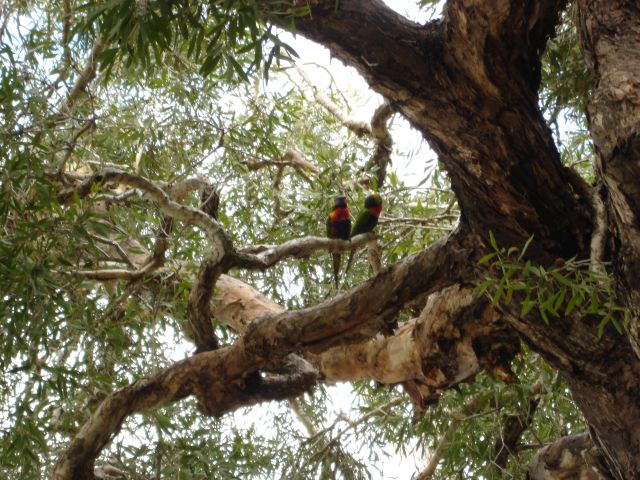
pixel 452 339
pixel 609 33
pixel 220 378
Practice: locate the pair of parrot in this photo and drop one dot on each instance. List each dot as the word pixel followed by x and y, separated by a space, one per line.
pixel 339 225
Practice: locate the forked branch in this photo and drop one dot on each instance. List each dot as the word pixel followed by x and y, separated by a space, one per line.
pixel 221 379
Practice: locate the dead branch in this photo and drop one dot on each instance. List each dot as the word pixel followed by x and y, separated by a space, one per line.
pixel 453 338
pixel 358 127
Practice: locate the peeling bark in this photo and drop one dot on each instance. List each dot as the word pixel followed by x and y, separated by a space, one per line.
pixel 570 457
pixel 454 337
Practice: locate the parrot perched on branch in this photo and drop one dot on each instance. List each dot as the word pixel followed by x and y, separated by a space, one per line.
pixel 338 226
pixel 367 219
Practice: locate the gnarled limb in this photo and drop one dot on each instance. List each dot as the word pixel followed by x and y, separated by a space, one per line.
pixel 454 337
pixel 224 379
pixel 383 141
pixel 570 457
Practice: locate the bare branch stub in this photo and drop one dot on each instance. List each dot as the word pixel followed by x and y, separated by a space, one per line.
pixel 383 141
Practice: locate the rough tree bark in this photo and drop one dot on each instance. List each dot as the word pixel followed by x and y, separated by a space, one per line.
pixel 610 37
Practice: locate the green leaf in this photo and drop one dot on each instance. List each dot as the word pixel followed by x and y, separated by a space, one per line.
pixel 527 306
pixel 486 258
pixel 482 287
pixel 524 249
pixel 571 305
pixel 492 241
pixel 543 314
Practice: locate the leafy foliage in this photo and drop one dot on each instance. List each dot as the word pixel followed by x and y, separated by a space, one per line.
pixel 554 292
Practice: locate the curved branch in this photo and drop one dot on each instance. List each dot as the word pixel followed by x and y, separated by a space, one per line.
pixel 377 129
pixel 469 84
pixel 383 141
pixel 155 193
pixel 219 378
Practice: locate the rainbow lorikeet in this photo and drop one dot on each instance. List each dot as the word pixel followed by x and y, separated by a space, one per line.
pixel 367 219
pixel 338 226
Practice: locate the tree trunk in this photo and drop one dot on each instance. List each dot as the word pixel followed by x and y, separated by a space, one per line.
pixel 610 37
